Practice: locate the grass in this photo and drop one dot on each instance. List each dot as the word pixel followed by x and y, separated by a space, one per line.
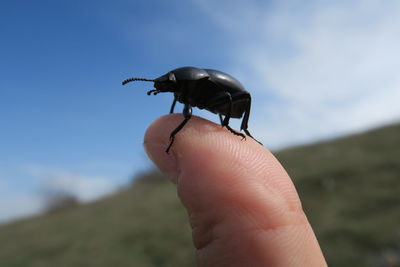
pixel 350 189
pixel 140 226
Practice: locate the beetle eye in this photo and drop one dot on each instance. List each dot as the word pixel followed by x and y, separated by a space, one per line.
pixel 171 77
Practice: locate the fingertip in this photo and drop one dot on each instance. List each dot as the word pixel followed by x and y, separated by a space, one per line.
pixel 157 140
pixel 233 188
pixel 209 156
pixel 155 144
pixel 197 139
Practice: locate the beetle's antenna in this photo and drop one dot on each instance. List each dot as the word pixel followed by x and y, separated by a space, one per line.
pixel 137 79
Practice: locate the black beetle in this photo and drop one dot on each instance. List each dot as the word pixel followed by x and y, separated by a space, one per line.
pixel 208 89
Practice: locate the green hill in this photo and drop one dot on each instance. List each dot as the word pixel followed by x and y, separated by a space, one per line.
pixel 350 190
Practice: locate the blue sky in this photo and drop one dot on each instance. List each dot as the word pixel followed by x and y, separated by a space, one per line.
pixel 316 70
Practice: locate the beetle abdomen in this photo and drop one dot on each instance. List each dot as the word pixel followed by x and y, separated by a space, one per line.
pixel 225 81
pixel 238 108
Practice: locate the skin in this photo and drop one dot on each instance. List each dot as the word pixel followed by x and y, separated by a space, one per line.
pixel 242 205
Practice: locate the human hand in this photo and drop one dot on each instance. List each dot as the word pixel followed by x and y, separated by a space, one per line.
pixel 242 205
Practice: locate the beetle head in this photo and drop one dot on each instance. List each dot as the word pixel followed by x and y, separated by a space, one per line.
pixel 165 83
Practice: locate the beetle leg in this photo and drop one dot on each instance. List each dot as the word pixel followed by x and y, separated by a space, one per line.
pixel 221 118
pixel 246 116
pixel 223 99
pixel 235 132
pixel 245 120
pixel 225 122
pixel 172 107
pixel 187 113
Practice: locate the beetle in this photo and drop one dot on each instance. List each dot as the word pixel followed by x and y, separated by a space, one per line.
pixel 208 89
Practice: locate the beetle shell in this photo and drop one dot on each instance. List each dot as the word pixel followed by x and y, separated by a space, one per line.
pixel 196 86
pixel 208 89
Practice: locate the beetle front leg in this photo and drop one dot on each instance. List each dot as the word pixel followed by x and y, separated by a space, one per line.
pixel 187 113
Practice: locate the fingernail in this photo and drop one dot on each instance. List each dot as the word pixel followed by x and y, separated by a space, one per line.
pixel 166 163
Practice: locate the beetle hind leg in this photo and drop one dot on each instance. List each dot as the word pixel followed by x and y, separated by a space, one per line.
pixel 248 133
pixel 245 121
pixel 225 121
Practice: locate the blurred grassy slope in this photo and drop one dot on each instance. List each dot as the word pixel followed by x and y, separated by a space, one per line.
pixel 140 226
pixel 350 190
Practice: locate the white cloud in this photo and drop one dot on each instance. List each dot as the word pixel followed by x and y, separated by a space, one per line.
pixel 332 69
pixel 15 203
pixel 21 200
pixel 85 187
pixel 19 206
